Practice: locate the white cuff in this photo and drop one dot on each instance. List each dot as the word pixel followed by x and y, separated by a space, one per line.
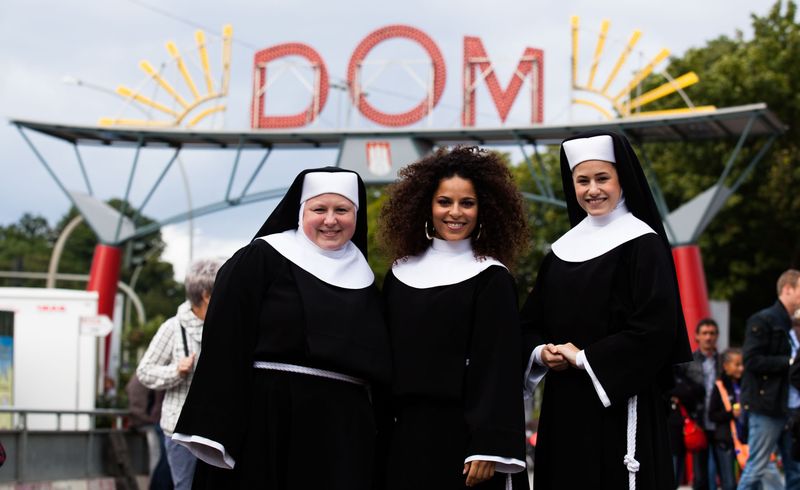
pixel 583 363
pixel 537 355
pixel 534 372
pixel 207 450
pixel 502 465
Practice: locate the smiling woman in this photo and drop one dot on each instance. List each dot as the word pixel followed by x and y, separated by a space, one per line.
pixel 604 323
pixel 329 220
pixel 451 223
pixel 294 338
pixel 455 209
pixel 596 187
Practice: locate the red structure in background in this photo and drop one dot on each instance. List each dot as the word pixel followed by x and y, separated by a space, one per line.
pixel 477 65
pixel 530 65
pixel 420 110
pixel 319 94
pixel 692 285
pixel 103 278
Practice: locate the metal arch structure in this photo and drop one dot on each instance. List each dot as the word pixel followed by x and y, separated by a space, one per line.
pixel 684 224
pixel 739 123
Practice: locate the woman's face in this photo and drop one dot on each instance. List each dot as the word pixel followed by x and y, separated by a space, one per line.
pixel 596 187
pixel 329 220
pixel 454 208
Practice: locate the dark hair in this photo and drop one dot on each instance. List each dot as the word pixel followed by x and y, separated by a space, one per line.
pixel 706 322
pixel 727 353
pixel 504 233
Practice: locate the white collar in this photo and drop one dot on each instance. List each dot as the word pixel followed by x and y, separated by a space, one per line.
pixel 346 267
pixel 596 235
pixel 443 263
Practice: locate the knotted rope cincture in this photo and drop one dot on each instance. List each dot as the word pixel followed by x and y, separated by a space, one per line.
pixel 629 460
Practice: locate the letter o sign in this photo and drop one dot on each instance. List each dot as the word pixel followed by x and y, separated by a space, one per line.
pixel 361 51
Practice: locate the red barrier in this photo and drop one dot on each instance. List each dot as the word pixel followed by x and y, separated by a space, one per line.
pixel 103 278
pixel 692 285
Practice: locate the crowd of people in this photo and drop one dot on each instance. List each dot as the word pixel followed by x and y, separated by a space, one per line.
pixel 745 400
pixel 311 377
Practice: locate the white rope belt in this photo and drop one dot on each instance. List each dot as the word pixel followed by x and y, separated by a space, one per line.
pixel 630 462
pixel 321 373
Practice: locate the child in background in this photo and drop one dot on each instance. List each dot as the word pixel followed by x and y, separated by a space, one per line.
pixel 727 414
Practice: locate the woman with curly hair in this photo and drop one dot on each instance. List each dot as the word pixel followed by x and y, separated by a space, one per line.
pixel 452 221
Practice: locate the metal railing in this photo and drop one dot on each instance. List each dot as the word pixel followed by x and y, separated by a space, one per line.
pixel 58 450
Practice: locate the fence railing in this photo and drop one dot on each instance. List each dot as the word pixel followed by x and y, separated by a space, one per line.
pixel 65 444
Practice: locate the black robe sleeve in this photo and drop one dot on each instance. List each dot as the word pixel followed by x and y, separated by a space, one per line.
pixel 632 357
pixel 530 324
pixel 212 422
pixel 492 398
pixel 532 311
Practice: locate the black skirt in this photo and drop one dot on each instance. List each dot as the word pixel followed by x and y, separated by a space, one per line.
pixel 303 433
pixel 427 449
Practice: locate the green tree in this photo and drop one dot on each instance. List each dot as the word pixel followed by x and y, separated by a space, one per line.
pixel 24 246
pixel 756 236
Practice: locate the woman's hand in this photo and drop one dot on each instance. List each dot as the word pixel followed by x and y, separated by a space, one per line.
pixel 185 365
pixel 570 353
pixel 478 472
pixel 553 359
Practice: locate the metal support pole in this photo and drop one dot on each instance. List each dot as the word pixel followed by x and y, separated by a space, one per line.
pixel 157 183
pixel 255 173
pixel 124 203
pixel 58 248
pixel 46 166
pixel 233 171
pixel 83 169
pixel 728 166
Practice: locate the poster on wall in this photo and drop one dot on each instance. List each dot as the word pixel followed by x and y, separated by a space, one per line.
pixel 6 365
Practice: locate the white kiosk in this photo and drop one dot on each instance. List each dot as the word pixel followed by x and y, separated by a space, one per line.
pixel 50 354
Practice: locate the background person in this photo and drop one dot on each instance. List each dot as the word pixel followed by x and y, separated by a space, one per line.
pixel 145 407
pixel 452 223
pixel 722 439
pixel 694 386
pixel 768 356
pixel 605 319
pixel 293 340
pixel 168 363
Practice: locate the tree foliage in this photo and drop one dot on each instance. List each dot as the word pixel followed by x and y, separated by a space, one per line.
pixel 756 235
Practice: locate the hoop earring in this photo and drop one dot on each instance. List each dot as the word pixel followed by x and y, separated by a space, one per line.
pixel 428 235
pixel 480 230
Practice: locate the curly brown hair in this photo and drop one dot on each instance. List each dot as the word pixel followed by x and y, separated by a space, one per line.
pixel 504 234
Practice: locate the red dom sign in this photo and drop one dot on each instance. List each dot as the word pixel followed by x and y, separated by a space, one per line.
pixel 477 68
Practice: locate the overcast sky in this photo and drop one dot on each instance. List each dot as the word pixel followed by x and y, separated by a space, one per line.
pixel 102 41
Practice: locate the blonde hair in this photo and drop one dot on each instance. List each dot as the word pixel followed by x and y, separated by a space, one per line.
pixel 788 278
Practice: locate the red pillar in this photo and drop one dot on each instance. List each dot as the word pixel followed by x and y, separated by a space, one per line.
pixel 103 278
pixel 692 285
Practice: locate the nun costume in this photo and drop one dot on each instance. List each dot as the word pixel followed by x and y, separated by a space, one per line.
pixel 293 338
pixel 608 286
pixel 454 325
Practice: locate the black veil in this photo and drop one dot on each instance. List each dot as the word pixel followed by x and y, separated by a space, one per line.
pixel 640 202
pixel 285 215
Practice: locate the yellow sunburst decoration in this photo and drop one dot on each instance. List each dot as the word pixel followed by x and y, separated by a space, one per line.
pixel 623 102
pixel 181 110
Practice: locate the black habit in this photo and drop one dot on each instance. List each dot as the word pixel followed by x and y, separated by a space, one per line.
pixel 621 305
pixel 617 308
pixel 456 384
pixel 286 430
